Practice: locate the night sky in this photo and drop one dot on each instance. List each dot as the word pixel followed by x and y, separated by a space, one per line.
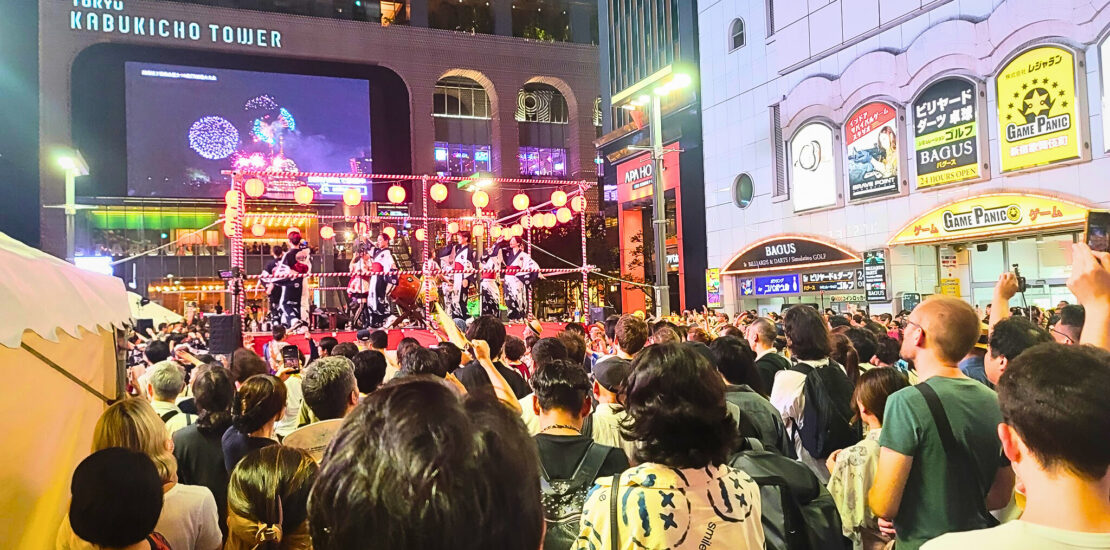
pixel 332 124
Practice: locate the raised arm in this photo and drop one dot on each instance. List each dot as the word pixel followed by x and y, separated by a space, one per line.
pixel 1090 282
pixel 501 386
pixel 1004 289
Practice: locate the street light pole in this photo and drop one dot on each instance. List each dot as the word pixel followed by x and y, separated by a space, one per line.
pixel 658 209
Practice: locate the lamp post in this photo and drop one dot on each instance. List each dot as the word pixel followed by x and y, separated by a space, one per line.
pixel 74 165
pixel 653 89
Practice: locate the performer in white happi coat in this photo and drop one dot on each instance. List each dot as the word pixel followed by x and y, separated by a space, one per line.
pixel 519 276
pixel 295 261
pixel 381 282
pixel 461 280
pixel 489 288
pixel 359 286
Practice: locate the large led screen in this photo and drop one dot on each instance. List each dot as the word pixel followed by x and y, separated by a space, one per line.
pixel 185 125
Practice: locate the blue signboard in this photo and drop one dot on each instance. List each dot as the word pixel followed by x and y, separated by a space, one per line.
pixel 779 284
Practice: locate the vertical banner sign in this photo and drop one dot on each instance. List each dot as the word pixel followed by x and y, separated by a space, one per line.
pixel 871 139
pixel 1037 111
pixel 874 275
pixel 812 167
pixel 713 288
pixel 945 127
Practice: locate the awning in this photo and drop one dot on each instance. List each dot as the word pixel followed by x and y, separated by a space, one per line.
pixel 991 215
pixel 788 252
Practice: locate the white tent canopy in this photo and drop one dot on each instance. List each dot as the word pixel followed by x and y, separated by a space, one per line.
pixel 152 310
pixel 43 294
pixel 58 355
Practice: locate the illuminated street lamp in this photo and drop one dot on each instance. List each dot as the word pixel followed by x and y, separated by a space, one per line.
pixel 73 165
pixel 652 90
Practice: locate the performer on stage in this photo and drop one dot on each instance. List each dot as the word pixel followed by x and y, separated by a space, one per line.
pixel 359 286
pixel 273 291
pixel 460 288
pixel 518 278
pixel 490 290
pixel 446 259
pixel 381 282
pixel 294 261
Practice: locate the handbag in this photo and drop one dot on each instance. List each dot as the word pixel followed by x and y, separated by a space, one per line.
pixel 614 525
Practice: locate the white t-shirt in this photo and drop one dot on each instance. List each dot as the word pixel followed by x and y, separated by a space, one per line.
pixel 788 396
pixel 294 400
pixel 189 519
pixel 1020 534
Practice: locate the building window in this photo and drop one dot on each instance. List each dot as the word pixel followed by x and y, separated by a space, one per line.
pixel 597 112
pixel 736 35
pixel 455 159
pixel 770 17
pixel 542 161
pixel 781 191
pixel 457 97
pixel 743 190
pixel 541 103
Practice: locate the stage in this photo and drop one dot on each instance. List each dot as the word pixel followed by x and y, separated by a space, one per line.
pixel 256 340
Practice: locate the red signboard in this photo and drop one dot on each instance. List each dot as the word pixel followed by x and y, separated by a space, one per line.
pixel 634 176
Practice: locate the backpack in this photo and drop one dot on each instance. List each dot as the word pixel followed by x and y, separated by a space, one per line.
pixel 563 498
pixel 798 511
pixel 827 415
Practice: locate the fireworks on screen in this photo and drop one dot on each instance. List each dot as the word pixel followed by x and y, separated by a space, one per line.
pixel 213 137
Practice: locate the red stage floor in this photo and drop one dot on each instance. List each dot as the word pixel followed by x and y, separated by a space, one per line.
pixel 424 336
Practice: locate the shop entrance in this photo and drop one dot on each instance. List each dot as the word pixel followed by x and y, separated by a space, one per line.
pixel 1043 260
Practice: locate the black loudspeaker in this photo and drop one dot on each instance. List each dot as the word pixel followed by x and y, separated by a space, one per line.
pixel 225 333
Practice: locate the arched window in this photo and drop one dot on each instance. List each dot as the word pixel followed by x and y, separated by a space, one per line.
pixel 736 34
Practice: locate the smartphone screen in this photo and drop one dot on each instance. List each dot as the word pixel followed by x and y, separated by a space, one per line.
pixel 1098 230
pixel 290 358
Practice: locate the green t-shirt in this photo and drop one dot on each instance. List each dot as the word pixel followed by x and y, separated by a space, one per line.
pixel 934 501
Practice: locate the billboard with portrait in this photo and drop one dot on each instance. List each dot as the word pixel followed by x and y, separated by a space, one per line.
pixel 871 143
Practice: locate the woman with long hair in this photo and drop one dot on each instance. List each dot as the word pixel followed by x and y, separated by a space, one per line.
pixel 189 520
pixel 268 500
pixel 259 403
pixel 197 447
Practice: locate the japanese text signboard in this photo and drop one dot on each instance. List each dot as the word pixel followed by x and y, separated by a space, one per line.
pixel 871 139
pixel 874 275
pixel 1037 114
pixel 946 133
pixel 995 214
pixel 788 252
pixel 829 281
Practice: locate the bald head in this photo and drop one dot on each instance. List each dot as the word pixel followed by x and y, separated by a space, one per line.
pixel 951 326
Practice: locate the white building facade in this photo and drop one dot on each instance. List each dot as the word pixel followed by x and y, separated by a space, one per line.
pixel 866 153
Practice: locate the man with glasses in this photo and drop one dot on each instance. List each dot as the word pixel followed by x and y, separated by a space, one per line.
pixel 1070 325
pixel 1009 339
pixel 940 464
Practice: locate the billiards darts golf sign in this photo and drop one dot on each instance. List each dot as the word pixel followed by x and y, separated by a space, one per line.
pixel 1037 109
pixel 871 141
pixel 788 252
pixel 946 132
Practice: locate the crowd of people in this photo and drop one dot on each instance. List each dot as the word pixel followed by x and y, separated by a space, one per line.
pixel 806 430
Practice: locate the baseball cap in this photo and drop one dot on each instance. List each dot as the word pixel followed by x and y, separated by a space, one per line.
pixel 117 498
pixel 363 335
pixel 611 372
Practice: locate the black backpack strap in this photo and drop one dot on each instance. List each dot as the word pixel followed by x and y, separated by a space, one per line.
pixel 804 368
pixel 954 449
pixel 591 464
pixel 169 414
pixel 614 523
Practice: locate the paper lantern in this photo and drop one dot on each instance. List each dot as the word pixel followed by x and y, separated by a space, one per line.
pixel 578 203
pixel 563 215
pixel 495 232
pixel 353 197
pixel 438 192
pixel 420 235
pixel 255 188
pixel 233 197
pixel 303 194
pixel 558 198
pixel 537 220
pixel 396 194
pixel 521 201
pixel 477 230
pixel 389 230
pixel 452 228
pixel 526 221
pixel 258 230
pixel 516 230
pixel 231 212
pixel 549 219
pixel 229 229
pixel 327 232
pixel 480 199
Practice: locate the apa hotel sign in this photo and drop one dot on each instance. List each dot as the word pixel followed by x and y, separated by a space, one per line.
pixel 111 17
